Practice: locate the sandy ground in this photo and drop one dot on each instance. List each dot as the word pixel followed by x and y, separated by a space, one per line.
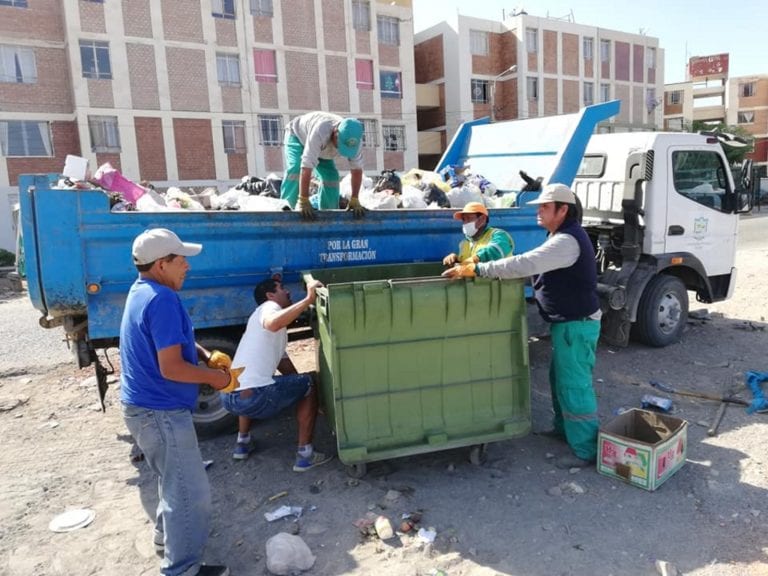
pixel 515 515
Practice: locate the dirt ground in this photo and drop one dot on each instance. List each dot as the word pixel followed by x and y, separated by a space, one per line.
pixel 514 515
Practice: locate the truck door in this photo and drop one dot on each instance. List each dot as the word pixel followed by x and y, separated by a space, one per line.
pixel 700 208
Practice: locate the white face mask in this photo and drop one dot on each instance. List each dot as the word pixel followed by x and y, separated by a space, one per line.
pixel 469 229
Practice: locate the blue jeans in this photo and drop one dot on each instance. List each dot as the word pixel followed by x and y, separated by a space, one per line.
pixel 169 443
pixel 267 401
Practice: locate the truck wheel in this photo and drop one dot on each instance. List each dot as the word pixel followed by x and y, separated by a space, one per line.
pixel 210 417
pixel 662 311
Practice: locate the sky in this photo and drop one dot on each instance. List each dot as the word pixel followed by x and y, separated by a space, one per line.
pixel 685 28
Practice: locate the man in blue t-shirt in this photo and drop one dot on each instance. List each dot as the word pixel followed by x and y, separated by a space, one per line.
pixel 565 285
pixel 158 389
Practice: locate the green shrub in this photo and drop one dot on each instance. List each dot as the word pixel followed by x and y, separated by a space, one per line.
pixel 7 258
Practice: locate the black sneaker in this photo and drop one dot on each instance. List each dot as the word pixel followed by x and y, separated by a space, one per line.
pixel 213 570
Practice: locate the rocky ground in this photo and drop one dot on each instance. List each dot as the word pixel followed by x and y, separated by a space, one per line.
pixel 514 515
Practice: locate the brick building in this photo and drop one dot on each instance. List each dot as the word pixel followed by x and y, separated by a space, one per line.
pixel 710 95
pixel 560 66
pixel 197 92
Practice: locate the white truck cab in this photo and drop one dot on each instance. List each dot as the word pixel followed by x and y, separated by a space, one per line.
pixel 662 211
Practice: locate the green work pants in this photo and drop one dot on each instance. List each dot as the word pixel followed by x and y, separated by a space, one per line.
pixel 570 378
pixel 325 170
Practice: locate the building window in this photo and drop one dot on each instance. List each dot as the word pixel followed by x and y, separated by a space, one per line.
pixel 605 92
pixel 265 66
pixel 17 65
pixel 261 8
pixel 105 135
pixel 746 117
pixel 588 47
pixel 370 133
pixel 650 56
pixel 747 89
pixel 16 3
pixel 271 129
pixel 223 8
pixel 95 59
pixel 25 138
pixel 605 50
pixel 361 15
pixel 390 85
pixel 532 86
pixel 364 74
pixel 674 96
pixel 675 124
pixel 234 136
pixel 479 91
pixel 389 30
pixel 651 102
pixel 228 69
pixel 531 40
pixel 394 138
pixel 589 93
pixel 478 42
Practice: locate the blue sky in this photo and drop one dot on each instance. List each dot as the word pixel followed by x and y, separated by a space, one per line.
pixel 701 27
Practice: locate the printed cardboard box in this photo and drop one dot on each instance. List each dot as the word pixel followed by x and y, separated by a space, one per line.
pixel 643 448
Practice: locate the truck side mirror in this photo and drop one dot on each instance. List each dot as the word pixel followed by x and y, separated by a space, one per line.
pixel 743 202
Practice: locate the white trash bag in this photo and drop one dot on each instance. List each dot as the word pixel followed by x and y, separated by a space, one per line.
pixel 287 553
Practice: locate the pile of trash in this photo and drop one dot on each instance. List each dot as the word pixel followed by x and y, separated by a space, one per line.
pixel 452 187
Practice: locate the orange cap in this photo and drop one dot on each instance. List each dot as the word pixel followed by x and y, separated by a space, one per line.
pixel 472 208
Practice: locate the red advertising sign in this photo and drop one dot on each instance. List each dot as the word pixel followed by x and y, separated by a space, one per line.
pixel 715 65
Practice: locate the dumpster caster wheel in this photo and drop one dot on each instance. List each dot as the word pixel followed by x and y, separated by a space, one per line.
pixel 478 454
pixel 357 470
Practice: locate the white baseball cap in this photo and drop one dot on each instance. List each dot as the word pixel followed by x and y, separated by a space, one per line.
pixel 158 243
pixel 555 193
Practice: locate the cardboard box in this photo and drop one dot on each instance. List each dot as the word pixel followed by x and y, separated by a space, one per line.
pixel 643 448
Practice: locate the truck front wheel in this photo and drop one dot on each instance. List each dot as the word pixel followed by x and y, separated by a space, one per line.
pixel 210 417
pixel 662 311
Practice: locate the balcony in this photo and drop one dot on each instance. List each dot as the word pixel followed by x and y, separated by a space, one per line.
pixel 427 96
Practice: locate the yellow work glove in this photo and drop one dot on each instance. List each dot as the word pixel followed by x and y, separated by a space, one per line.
pixel 219 360
pixel 461 271
pixel 307 212
pixel 234 383
pixel 471 260
pixel 450 260
pixel 355 207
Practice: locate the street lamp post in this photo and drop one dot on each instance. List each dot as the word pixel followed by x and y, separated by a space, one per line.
pixel 500 77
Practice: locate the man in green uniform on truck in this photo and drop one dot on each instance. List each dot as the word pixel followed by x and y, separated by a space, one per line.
pixel 312 142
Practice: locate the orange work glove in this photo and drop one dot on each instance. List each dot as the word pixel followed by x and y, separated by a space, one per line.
pixel 234 383
pixel 219 360
pixel 460 271
pixel 450 260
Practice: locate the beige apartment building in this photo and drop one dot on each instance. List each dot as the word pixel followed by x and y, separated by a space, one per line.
pixel 530 66
pixel 196 92
pixel 710 95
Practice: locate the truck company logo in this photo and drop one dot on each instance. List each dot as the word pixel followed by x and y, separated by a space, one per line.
pixel 347 250
pixel 700 226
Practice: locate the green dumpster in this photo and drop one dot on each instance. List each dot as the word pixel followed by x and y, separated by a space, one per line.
pixel 410 362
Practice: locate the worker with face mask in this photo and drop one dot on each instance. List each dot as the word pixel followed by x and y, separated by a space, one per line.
pixel 482 243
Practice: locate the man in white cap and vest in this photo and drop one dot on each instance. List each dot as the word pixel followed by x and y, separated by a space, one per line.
pixel 565 285
pixel 312 142
pixel 159 381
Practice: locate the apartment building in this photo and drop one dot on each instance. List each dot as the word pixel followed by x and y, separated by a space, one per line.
pixel 530 66
pixel 197 92
pixel 710 95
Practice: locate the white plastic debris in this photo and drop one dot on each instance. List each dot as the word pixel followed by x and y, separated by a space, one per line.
pixel 426 535
pixel 282 512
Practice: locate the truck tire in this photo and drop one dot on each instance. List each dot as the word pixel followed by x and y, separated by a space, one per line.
pixel 210 417
pixel 662 311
